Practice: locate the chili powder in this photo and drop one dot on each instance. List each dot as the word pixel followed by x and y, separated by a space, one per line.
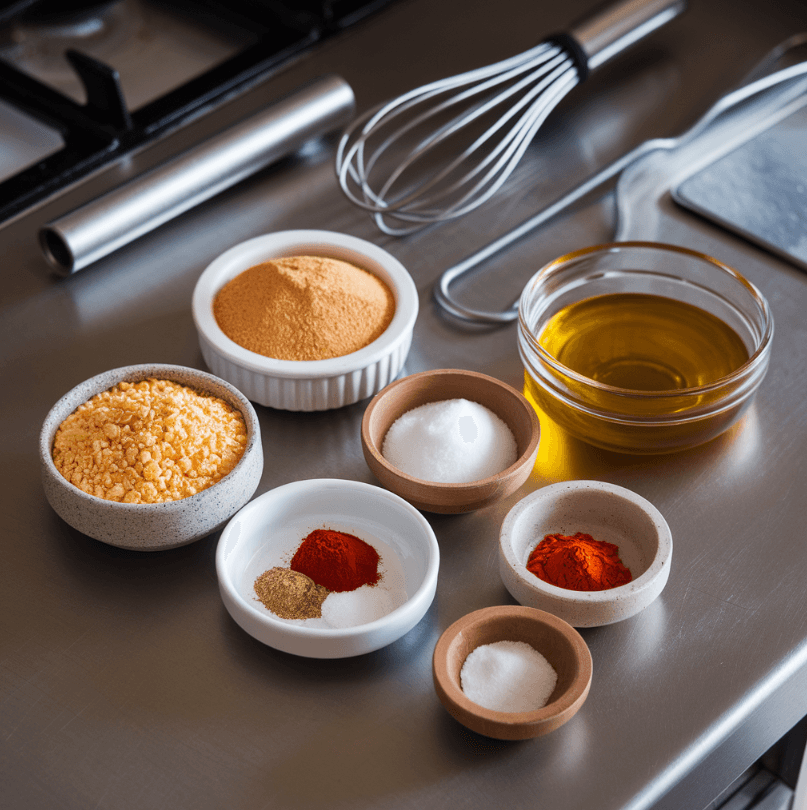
pixel 578 563
pixel 336 560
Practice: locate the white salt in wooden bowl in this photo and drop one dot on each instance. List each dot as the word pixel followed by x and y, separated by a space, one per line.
pixel 444 384
pixel 606 512
pixel 310 385
pixel 561 645
pixel 266 532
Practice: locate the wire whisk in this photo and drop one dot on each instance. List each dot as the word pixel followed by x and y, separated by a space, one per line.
pixel 442 150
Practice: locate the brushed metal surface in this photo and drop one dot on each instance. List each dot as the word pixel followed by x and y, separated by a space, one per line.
pixel 123 681
pixel 615 28
pixel 759 190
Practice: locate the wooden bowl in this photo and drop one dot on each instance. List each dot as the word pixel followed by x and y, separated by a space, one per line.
pixel 556 640
pixel 434 386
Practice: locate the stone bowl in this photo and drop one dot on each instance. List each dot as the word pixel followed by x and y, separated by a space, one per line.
pixel 606 512
pixel 158 526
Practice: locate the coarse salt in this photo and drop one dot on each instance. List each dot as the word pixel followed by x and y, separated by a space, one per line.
pixel 453 441
pixel 508 676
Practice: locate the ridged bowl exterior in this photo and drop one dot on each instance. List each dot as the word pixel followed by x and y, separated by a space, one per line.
pixel 314 394
pixel 316 385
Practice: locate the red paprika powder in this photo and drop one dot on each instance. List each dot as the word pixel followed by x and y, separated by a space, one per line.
pixel 336 560
pixel 578 563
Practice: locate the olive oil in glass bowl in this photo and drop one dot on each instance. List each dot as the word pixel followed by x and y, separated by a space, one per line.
pixel 641 347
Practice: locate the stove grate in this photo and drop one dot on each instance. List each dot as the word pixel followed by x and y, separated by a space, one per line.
pixel 104 130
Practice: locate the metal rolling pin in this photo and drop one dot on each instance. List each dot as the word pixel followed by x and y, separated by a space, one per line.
pixel 105 224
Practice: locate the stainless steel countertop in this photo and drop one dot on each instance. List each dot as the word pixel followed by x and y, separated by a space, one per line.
pixel 123 681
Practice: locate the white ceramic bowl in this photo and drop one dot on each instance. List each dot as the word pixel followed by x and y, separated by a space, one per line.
pixel 606 512
pixel 267 531
pixel 311 385
pixel 145 526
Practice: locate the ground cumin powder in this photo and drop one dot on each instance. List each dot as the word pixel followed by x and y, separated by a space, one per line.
pixel 304 308
pixel 290 594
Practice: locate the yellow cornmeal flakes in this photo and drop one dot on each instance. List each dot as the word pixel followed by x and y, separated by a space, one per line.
pixel 149 442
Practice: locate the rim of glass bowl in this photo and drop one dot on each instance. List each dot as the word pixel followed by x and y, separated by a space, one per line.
pixel 754 359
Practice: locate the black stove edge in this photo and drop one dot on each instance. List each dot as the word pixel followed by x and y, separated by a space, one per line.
pixel 103 130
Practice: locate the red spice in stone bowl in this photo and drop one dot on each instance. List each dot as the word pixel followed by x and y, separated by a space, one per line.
pixel 606 512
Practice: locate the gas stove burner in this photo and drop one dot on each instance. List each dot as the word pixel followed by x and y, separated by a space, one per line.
pixel 57 12
pixel 43 10
pixel 84 84
pixel 38 37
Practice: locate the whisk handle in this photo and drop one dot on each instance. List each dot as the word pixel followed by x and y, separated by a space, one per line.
pixel 617 26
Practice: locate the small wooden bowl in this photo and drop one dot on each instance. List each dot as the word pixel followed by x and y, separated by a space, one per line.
pixel 434 386
pixel 556 640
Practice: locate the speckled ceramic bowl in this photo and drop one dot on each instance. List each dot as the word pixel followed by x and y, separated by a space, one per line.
pixel 151 527
pixel 311 385
pixel 606 512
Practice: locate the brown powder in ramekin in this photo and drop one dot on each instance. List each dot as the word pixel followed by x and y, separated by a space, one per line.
pixel 304 308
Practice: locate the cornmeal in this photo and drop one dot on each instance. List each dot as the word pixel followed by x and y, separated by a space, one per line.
pixel 149 442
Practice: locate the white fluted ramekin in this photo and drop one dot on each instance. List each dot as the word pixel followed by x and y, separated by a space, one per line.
pixel 307 385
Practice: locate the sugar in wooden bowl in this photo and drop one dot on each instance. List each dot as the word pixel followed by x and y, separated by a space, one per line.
pixel 467 402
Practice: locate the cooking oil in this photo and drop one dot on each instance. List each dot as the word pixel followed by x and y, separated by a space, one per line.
pixel 643 342
pixel 649 351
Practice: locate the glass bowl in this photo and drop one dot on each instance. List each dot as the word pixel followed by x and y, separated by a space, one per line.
pixel 681 389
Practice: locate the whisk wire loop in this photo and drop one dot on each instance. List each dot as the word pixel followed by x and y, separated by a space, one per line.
pixel 524 89
pixel 464 159
pixel 507 154
pixel 379 115
pixel 479 81
pixel 427 216
pixel 507 144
